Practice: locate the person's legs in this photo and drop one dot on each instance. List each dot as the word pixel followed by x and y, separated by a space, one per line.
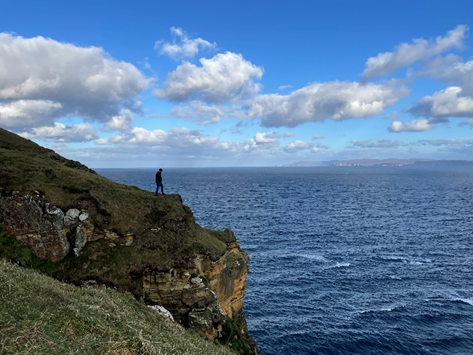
pixel 159 184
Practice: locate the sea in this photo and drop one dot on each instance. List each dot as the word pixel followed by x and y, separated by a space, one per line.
pixel 343 260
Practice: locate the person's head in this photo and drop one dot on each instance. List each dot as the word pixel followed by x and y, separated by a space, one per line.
pixel 160 170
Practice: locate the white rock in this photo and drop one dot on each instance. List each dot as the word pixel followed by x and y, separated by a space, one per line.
pixel 196 280
pixel 163 311
pixel 71 217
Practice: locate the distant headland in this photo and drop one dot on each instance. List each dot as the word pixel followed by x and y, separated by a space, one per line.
pixel 381 162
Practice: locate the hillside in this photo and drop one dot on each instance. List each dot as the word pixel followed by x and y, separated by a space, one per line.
pixel 60 217
pixel 39 315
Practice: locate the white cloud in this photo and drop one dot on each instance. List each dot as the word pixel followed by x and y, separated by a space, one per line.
pixel 270 137
pixel 225 77
pixel 445 103
pixel 457 73
pixel 321 101
pixel 323 136
pixel 406 54
pixel 27 113
pixel 121 122
pixel 298 145
pixel 175 138
pixel 61 133
pixel 200 112
pixel 284 87
pixel 301 146
pixel 413 126
pixel 184 142
pixel 382 143
pixel 263 140
pixel 51 79
pixel 185 47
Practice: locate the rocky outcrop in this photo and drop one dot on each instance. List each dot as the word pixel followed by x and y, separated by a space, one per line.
pixel 48 231
pixel 62 218
pixel 203 297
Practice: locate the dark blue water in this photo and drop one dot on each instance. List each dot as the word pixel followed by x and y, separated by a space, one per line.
pixel 343 260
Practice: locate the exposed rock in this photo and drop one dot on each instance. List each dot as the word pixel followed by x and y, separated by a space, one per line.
pixel 71 217
pixel 80 240
pixel 163 311
pixel 90 230
pixel 37 226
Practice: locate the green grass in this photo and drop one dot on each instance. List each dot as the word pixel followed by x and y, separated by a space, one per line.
pixel 27 167
pixel 67 320
pixel 40 315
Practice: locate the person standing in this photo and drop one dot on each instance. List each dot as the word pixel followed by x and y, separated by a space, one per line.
pixel 159 182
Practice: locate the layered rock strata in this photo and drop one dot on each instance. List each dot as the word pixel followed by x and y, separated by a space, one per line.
pixel 204 295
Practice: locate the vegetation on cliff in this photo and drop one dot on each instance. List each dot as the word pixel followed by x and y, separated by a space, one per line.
pixel 60 217
pixel 40 315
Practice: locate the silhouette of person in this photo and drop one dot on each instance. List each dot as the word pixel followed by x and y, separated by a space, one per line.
pixel 159 182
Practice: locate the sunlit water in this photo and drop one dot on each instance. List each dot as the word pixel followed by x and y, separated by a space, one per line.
pixel 343 260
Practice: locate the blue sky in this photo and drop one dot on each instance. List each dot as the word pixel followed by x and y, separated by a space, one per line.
pixel 253 83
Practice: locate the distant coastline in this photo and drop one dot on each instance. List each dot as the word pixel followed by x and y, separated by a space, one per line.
pixel 381 162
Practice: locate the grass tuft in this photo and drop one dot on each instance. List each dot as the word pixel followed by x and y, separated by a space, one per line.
pixel 40 315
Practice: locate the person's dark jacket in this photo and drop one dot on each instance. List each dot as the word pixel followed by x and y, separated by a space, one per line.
pixel 159 177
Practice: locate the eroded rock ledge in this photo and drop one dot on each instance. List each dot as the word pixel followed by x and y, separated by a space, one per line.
pixel 205 292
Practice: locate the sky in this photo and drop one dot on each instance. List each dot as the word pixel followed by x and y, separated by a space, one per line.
pixel 122 84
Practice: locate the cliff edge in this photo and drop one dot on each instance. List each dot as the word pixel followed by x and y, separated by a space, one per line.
pixel 60 217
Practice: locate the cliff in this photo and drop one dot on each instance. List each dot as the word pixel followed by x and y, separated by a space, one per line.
pixel 58 318
pixel 60 217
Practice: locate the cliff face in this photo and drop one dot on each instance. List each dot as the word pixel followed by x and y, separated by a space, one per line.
pixel 82 228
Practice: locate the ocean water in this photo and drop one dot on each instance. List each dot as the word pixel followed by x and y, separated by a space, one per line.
pixel 343 260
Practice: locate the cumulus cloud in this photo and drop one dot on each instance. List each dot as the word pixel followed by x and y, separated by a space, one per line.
pixel 121 122
pixel 42 79
pixel 382 143
pixel 301 146
pixel 185 141
pixel 28 113
pixel 176 138
pixel 182 46
pixel 297 145
pixel 264 140
pixel 413 126
pixel 61 133
pixel 449 102
pixel 225 77
pixel 200 112
pixel 456 73
pixel 321 101
pixel 406 54
pixel 270 137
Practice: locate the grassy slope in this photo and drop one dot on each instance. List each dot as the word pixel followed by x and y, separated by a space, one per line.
pixel 26 167
pixel 39 315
